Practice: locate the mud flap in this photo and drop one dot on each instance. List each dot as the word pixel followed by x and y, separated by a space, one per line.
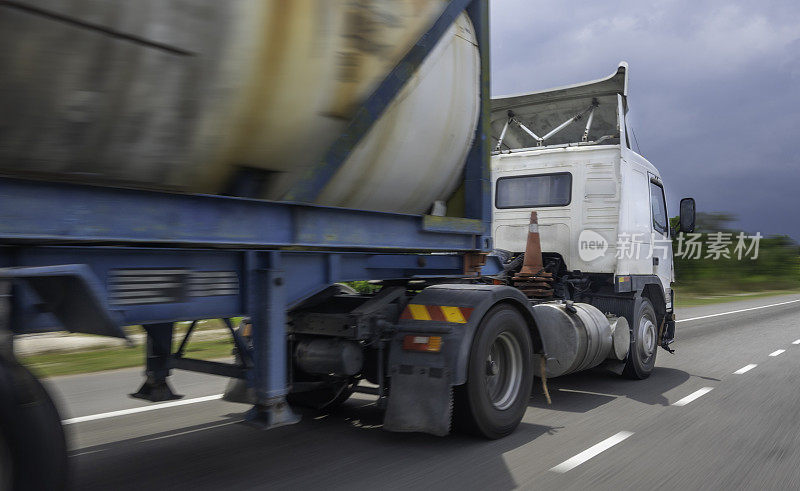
pixel 420 399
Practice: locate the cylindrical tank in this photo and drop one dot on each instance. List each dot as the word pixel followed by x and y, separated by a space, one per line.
pixel 581 336
pixel 175 95
pixel 325 356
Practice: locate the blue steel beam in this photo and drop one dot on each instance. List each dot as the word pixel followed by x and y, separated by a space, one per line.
pixel 59 213
pixel 307 272
pixel 477 179
pixel 315 180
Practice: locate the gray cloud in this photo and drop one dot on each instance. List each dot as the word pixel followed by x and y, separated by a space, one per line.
pixel 713 89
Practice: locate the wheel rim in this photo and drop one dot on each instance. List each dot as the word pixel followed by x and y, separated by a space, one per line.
pixel 504 371
pixel 647 338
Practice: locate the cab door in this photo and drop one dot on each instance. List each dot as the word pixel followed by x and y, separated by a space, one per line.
pixel 662 242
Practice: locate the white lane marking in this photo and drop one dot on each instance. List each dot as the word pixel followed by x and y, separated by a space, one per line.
pixel 590 452
pixel 694 395
pixel 796 341
pixel 777 352
pixel 191 431
pixel 588 392
pixel 142 409
pixel 87 452
pixel 745 368
pixel 737 311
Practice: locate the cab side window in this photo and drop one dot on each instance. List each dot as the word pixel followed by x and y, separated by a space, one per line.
pixel 659 208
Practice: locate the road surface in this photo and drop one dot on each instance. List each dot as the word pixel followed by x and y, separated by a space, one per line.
pixel 722 412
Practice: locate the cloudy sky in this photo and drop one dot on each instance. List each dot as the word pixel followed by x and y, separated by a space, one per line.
pixel 714 89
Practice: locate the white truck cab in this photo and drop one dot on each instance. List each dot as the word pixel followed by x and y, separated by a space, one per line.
pixel 567 154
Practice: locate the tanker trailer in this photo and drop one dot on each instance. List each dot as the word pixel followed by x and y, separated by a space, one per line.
pixel 241 97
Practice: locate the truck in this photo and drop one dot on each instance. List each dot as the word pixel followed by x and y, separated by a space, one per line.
pixel 493 257
pixel 601 206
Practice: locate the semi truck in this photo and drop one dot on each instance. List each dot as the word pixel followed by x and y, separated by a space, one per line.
pixel 216 160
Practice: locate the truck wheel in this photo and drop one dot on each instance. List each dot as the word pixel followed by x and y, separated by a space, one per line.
pixel 494 399
pixel 31 436
pixel 644 342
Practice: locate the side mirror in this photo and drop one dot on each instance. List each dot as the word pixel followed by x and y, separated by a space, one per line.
pixel 687 216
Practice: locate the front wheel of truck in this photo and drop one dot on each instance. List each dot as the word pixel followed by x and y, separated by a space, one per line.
pixel 35 452
pixel 494 399
pixel 644 342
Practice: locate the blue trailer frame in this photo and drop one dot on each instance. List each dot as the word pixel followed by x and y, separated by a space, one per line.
pixel 77 256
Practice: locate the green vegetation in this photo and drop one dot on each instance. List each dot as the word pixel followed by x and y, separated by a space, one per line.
pixel 776 267
pixel 52 364
pixel 363 286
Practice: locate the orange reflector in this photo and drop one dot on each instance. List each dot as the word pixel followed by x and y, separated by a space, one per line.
pixel 432 344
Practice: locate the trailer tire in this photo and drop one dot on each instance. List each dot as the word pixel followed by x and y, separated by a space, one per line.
pixel 31 431
pixel 499 377
pixel 644 342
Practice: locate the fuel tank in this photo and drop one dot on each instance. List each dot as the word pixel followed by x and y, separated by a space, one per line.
pixel 190 96
pixel 578 336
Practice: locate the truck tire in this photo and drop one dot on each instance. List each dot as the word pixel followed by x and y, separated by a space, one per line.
pixel 499 377
pixel 644 342
pixel 30 431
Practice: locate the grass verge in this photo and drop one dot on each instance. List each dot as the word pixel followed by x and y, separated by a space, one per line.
pixel 692 299
pixel 53 364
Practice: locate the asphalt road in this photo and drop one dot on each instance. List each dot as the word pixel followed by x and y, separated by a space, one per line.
pixel 601 431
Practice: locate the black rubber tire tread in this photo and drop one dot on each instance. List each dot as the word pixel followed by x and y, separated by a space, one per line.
pixel 635 367
pixel 473 412
pixel 31 428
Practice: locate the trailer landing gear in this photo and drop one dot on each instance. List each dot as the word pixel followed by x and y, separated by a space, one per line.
pixel 272 413
pixel 159 347
pixel 155 390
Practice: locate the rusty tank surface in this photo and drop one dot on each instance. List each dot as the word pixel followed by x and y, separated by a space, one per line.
pixel 193 96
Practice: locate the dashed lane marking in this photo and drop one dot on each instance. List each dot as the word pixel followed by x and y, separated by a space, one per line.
pixel 590 452
pixel 745 369
pixel 694 395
